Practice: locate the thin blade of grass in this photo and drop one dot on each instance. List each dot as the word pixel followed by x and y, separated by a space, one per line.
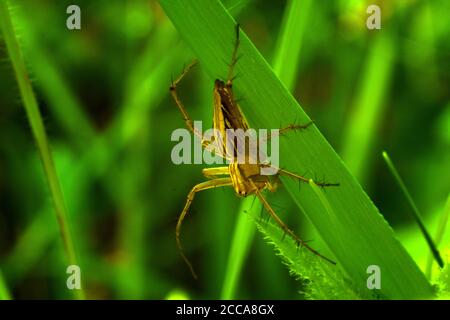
pixel 288 52
pixel 242 240
pixel 360 134
pixel 442 226
pixel 40 136
pixel 31 245
pixel 53 85
pixel 414 209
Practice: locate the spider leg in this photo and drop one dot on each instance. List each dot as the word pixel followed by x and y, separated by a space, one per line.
pixel 286 173
pixel 213 173
pixel 291 127
pixel 306 180
pixel 187 119
pixel 221 182
pixel 234 57
pixel 286 229
pixel 179 103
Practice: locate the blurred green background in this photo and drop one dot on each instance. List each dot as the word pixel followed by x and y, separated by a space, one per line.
pixel 103 93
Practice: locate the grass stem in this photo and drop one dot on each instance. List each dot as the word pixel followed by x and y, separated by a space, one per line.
pixel 416 213
pixel 242 239
pixel 439 235
pixel 40 136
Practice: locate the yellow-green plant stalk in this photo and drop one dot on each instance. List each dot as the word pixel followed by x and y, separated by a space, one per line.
pixel 38 130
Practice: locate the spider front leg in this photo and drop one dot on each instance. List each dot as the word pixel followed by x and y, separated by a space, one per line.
pixel 187 119
pixel 220 182
pixel 179 103
pixel 234 57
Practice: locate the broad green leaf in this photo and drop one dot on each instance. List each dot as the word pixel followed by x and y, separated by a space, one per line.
pixel 354 230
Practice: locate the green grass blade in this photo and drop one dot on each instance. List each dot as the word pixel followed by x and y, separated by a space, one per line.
pixel 364 236
pixel 288 52
pixel 31 245
pixel 361 132
pixel 242 240
pixel 64 105
pixel 443 222
pixel 416 213
pixel 439 235
pixel 37 127
pixel 4 291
